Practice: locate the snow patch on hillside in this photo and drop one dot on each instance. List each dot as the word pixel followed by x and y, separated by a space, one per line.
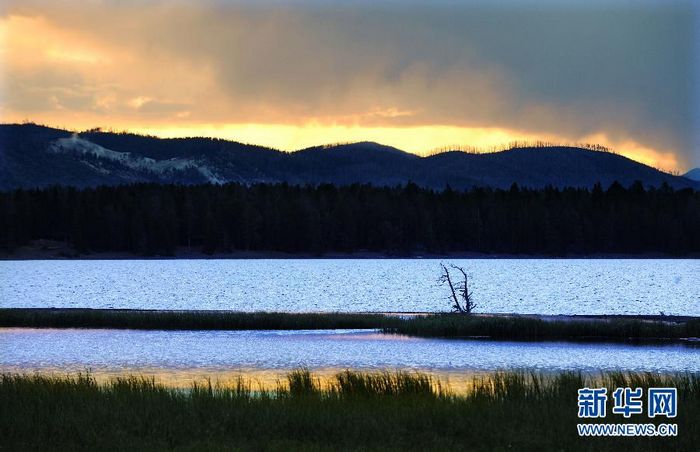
pixel 77 145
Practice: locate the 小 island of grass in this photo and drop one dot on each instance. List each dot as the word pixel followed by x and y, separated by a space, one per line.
pixel 439 325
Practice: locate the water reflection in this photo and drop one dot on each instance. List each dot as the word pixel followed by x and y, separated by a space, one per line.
pixel 210 352
pixel 257 379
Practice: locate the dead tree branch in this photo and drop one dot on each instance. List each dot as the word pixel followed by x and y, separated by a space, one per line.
pixel 445 278
pixel 467 304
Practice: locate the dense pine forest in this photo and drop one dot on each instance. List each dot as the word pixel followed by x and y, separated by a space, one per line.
pixel 151 219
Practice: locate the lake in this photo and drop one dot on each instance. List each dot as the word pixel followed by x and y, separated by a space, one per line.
pixel 76 350
pixel 544 286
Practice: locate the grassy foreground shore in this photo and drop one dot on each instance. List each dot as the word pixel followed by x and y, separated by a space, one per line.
pixel 506 327
pixel 388 411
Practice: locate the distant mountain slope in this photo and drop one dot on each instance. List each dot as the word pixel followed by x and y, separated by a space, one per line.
pixel 36 156
pixel 538 167
pixel 693 174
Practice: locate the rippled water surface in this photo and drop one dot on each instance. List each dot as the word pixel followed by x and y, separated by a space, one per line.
pixel 546 286
pixel 76 350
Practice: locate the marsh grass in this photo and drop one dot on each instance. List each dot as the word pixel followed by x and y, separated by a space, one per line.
pixel 367 411
pixel 525 328
pixel 188 320
pixel 436 325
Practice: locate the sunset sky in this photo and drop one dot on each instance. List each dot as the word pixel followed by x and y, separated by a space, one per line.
pixel 415 75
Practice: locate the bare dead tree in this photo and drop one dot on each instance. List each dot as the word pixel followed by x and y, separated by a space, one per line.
pixel 446 278
pixel 458 291
pixel 467 299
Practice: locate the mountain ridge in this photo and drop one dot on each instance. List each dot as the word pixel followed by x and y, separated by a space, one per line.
pixel 37 156
pixel 693 174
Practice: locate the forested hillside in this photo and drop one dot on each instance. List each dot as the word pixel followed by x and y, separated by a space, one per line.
pixel 33 156
pixel 152 219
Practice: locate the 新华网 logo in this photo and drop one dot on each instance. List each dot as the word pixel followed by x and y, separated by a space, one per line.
pixel 627 402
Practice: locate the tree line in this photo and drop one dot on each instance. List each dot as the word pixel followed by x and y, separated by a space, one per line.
pixel 152 219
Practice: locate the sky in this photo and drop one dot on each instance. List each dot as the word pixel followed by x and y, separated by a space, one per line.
pixel 415 75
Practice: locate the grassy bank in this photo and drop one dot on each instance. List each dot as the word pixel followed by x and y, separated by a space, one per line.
pixel 188 320
pixel 527 328
pixel 504 327
pixel 354 411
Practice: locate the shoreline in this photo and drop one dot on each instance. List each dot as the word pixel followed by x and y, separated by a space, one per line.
pixel 351 410
pixel 52 250
pixel 515 327
pixel 408 314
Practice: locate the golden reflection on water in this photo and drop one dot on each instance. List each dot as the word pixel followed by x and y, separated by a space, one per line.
pixel 456 382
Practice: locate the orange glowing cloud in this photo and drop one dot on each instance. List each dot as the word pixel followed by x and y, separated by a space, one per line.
pixel 290 77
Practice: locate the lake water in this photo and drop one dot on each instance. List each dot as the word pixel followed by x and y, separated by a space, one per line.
pixel 76 350
pixel 545 286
